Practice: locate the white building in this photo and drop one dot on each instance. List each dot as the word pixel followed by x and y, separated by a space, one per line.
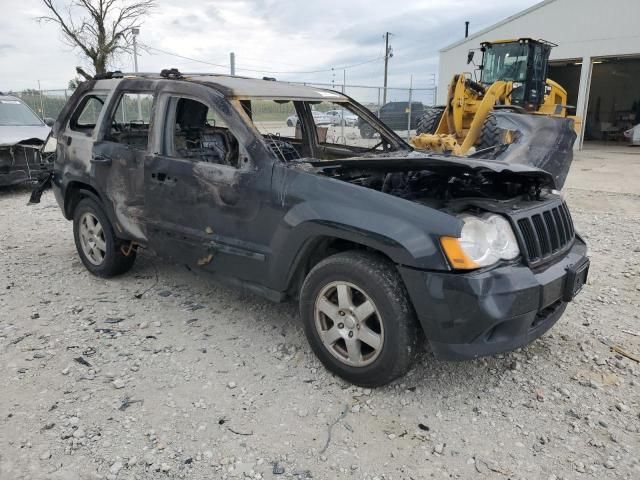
pixel 597 58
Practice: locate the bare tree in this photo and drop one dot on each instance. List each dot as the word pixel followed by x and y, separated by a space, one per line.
pixel 99 28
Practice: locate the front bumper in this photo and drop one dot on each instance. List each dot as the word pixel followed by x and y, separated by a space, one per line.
pixel 468 315
pixel 20 164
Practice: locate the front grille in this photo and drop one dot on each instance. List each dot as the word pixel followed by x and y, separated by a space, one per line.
pixel 544 234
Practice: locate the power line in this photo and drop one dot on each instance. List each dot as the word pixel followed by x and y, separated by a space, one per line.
pixel 344 67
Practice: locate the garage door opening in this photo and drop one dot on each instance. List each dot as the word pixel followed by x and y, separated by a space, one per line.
pixel 614 99
pixel 567 74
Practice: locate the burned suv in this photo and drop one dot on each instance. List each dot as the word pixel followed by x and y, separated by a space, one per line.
pixel 376 241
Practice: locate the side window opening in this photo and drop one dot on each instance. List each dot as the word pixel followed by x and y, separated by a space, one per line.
pixel 131 120
pixel 201 134
pixel 349 130
pixel 279 124
pixel 86 115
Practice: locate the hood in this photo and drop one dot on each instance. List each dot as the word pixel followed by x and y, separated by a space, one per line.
pixel 399 161
pixel 11 135
pixel 540 141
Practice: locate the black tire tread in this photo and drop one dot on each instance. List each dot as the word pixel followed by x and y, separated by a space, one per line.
pixel 116 263
pixel 429 121
pixel 490 135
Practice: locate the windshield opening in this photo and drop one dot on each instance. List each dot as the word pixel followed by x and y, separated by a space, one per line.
pixel 16 114
pixel 340 131
pixel 506 61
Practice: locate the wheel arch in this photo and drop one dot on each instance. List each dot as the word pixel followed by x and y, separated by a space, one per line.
pixel 316 249
pixel 76 191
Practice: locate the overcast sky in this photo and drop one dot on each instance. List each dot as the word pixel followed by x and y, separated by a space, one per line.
pixel 271 35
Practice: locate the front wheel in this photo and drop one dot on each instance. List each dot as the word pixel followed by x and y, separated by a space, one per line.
pixel 97 245
pixel 430 120
pixel 358 318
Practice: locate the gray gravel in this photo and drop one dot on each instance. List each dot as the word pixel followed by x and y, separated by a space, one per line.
pixel 193 380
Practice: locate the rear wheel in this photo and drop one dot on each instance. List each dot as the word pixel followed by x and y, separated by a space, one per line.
pixel 429 121
pixel 358 318
pixel 96 243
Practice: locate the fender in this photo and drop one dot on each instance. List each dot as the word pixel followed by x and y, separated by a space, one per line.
pixel 404 231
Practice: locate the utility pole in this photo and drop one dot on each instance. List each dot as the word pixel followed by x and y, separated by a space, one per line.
pixel 41 104
pixel 232 63
pixel 388 53
pixel 409 109
pixel 135 32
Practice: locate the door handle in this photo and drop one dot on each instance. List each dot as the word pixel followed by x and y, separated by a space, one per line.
pixel 99 159
pixel 161 177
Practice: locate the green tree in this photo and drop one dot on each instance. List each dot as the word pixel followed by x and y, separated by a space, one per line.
pixel 101 29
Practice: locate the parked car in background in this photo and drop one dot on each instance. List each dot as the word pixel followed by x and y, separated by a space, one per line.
pixel 22 134
pixel 396 115
pixel 320 118
pixel 379 243
pixel 342 117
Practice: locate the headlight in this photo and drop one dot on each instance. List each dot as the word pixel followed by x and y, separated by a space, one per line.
pixel 484 240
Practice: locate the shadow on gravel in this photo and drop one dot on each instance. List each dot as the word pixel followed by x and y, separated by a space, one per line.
pixel 16 190
pixel 211 298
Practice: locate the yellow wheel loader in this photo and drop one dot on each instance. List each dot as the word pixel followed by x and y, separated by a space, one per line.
pixel 513 76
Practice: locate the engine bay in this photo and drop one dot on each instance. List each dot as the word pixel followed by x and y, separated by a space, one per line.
pixel 443 183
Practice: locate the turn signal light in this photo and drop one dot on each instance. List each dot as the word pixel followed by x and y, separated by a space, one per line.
pixel 457 257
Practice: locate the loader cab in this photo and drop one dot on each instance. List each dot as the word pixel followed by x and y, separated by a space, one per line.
pixel 523 62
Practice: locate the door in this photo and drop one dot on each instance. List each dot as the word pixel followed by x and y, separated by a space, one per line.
pixel 80 133
pixel 204 194
pixel 118 159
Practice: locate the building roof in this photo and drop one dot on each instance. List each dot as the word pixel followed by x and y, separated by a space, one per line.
pixel 496 25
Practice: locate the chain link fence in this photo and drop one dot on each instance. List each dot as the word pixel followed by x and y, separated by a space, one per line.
pixel 403 106
pixel 46 103
pixel 401 110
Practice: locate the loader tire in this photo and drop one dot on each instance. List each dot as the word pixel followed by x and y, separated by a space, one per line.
pixel 430 120
pixel 491 135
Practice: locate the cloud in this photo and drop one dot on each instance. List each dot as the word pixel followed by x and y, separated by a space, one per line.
pixel 269 35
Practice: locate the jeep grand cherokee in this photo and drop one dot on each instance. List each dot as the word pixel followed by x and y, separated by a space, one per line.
pixel 376 241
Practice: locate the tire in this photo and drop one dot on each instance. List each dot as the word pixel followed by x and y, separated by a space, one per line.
pixel 366 132
pixel 490 135
pixel 430 119
pixel 289 123
pixel 105 259
pixel 373 279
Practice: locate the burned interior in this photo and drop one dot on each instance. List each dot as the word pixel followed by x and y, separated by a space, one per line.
pixel 383 162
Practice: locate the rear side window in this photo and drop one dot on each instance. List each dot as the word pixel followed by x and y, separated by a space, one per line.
pixel 131 120
pixel 86 115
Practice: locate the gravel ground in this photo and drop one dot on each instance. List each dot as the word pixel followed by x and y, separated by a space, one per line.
pixel 163 374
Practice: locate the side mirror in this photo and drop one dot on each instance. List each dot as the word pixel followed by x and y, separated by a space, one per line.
pixel 49 121
pixel 470 56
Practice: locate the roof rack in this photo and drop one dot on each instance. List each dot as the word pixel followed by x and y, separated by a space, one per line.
pixel 171 73
pixel 108 75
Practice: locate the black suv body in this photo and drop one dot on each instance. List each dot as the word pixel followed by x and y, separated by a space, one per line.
pixel 376 241
pixel 395 115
